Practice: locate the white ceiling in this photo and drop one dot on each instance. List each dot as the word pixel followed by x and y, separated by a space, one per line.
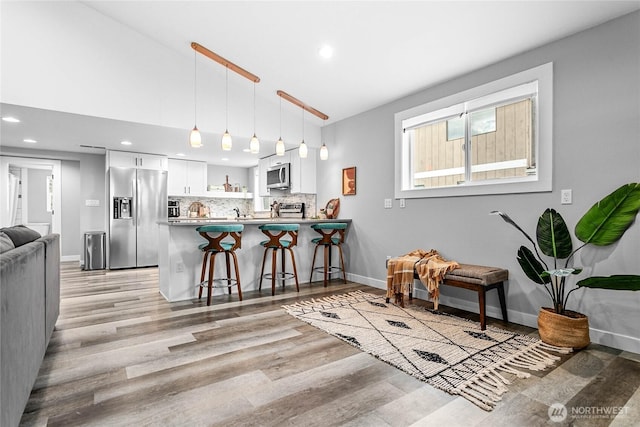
pixel 383 50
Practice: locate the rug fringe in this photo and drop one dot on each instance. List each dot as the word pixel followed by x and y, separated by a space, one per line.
pixel 561 350
pixel 330 299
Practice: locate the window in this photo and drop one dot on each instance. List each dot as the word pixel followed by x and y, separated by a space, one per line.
pixel 491 139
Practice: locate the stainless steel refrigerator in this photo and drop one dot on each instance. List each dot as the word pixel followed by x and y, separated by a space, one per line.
pixel 138 200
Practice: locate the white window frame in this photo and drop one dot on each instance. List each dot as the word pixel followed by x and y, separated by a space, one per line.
pixel 451 105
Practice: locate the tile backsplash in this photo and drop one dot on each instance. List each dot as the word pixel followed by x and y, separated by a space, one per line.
pixel 217 207
pixel 221 207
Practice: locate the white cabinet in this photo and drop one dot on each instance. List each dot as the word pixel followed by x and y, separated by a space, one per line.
pixel 276 160
pixel 303 172
pixel 126 159
pixel 187 178
pixel 263 166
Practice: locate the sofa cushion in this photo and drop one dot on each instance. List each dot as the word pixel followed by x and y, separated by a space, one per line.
pixel 20 234
pixel 6 244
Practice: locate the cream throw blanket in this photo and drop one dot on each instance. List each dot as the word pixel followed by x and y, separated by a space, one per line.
pixel 431 269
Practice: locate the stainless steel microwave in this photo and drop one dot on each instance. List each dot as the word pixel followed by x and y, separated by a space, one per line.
pixel 278 176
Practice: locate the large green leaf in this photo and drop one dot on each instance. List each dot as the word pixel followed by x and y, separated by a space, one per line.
pixel 621 282
pixel 607 220
pixel 531 266
pixel 553 235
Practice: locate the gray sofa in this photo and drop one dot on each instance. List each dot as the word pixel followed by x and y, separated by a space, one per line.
pixel 30 298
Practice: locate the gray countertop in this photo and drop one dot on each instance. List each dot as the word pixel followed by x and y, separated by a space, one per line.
pixel 246 221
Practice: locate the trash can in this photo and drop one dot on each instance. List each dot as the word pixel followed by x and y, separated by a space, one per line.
pixel 95 250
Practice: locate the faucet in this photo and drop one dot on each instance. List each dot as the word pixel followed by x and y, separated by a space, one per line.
pixel 237 212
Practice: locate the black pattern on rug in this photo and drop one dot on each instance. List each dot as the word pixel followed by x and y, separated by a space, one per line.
pixel 450 353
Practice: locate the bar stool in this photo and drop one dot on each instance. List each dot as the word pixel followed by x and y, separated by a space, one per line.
pixel 275 233
pixel 332 235
pixel 216 244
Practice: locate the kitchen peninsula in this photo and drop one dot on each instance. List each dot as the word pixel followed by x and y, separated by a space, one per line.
pixel 180 260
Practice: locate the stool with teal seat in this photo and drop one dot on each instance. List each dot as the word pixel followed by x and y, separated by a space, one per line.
pixel 283 237
pixel 332 235
pixel 221 238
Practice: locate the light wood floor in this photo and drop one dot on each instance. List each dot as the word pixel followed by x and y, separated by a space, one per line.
pixel 123 356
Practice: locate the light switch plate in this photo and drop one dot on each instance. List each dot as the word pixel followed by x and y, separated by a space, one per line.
pixel 92 203
pixel 388 203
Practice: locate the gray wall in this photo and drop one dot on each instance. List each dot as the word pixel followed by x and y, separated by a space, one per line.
pixel 596 148
pixel 71 199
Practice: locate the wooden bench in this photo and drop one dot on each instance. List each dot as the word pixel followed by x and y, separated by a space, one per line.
pixel 480 279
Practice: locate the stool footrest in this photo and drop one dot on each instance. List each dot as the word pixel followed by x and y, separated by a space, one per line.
pixel 280 275
pixel 230 283
pixel 330 270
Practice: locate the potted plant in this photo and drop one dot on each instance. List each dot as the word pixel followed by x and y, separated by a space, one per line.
pixel 602 225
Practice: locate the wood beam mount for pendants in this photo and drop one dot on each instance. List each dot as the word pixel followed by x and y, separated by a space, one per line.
pixel 224 62
pixel 301 104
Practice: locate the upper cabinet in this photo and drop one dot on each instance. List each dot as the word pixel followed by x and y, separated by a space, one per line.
pixel 187 178
pixel 303 172
pixel 126 159
pixel 276 160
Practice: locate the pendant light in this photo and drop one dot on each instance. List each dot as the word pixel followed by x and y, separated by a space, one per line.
pixel 302 150
pixel 195 139
pixel 254 144
pixel 280 143
pixel 226 137
pixel 324 152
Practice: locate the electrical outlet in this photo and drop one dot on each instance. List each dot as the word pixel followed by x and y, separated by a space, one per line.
pixel 402 203
pixel 566 197
pixel 388 203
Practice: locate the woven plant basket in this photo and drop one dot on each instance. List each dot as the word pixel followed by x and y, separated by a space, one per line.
pixel 562 330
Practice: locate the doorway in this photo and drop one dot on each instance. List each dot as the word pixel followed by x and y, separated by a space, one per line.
pixel 14 193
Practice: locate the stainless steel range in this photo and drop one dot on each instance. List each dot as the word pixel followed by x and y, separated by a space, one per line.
pixel 291 210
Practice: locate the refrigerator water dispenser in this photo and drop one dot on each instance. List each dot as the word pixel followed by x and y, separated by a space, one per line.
pixel 122 207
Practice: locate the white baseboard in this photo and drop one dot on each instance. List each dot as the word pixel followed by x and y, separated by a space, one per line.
pixel 66 258
pixel 610 339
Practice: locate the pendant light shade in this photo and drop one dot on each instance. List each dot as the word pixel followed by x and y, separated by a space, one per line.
pixel 195 139
pixel 324 152
pixel 227 143
pixel 254 145
pixel 280 147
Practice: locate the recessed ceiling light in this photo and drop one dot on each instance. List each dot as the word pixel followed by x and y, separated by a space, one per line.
pixel 11 119
pixel 326 51
pixel 29 141
pixel 225 159
pixel 125 142
pixel 180 154
pixel 246 150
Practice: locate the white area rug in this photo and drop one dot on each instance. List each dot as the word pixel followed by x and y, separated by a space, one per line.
pixel 445 351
